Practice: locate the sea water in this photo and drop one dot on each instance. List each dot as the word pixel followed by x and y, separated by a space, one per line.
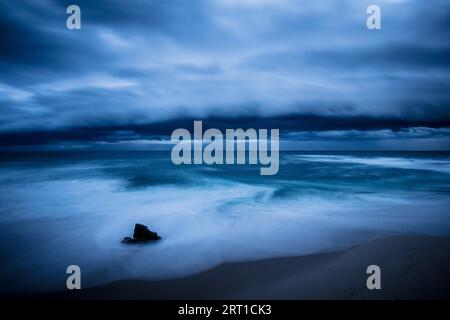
pixel 64 208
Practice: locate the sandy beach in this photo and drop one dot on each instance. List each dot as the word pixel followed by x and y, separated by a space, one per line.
pixel 412 267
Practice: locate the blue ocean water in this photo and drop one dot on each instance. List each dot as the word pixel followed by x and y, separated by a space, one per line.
pixel 63 208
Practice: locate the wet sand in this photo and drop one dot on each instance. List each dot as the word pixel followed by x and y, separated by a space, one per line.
pixel 412 267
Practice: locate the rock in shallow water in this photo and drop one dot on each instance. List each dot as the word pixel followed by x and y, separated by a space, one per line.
pixel 141 234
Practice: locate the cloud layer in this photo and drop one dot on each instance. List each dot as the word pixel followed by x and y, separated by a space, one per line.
pixel 143 63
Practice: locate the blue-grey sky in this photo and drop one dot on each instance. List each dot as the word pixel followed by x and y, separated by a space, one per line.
pixel 139 69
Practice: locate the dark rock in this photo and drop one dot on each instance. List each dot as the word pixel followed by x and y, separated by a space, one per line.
pixel 128 240
pixel 141 234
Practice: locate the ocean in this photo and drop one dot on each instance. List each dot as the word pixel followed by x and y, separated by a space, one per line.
pixel 63 208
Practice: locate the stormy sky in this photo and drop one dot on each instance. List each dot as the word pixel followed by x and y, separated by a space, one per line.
pixel 139 69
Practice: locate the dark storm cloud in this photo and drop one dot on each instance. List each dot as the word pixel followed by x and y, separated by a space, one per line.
pixel 293 126
pixel 147 67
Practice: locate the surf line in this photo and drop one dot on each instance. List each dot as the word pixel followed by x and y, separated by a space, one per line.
pixel 210 147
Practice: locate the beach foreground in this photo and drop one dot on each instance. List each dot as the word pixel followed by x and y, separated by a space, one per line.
pixel 412 267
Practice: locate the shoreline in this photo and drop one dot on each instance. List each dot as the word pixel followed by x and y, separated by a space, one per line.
pixel 412 267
